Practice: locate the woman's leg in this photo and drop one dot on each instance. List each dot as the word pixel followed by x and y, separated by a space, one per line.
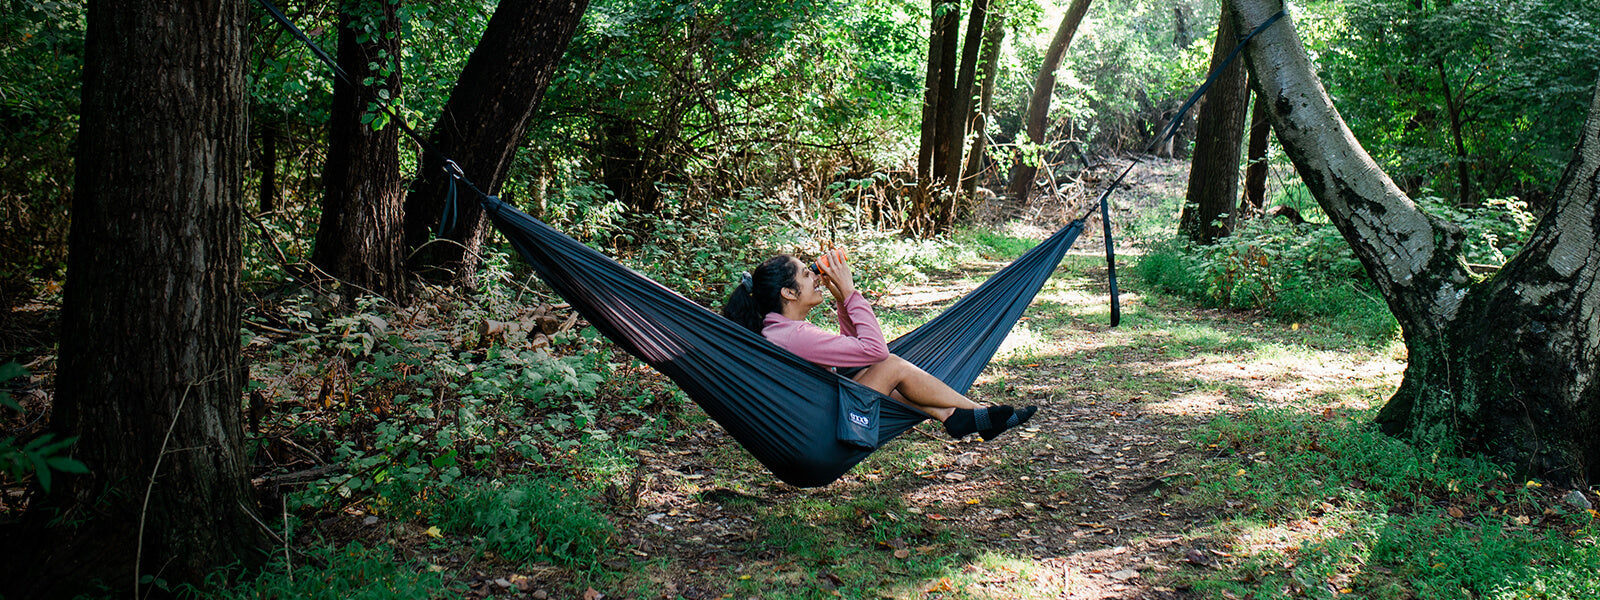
pixel 915 386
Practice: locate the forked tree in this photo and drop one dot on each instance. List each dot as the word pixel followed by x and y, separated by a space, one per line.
pixel 1044 89
pixel 1504 366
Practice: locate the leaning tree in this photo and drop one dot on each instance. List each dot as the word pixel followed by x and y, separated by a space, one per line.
pixel 1504 365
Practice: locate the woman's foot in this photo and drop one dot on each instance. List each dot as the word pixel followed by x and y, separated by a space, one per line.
pixel 1016 418
pixel 987 421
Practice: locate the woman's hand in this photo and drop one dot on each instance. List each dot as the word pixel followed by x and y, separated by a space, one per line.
pixel 836 274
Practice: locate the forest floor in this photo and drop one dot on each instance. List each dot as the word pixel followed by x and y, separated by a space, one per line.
pixel 1153 469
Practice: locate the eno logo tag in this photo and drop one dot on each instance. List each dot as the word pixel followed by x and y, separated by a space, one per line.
pixel 860 420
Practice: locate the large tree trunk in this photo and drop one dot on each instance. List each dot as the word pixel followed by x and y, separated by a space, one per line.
pixel 1044 87
pixel 1255 170
pixel 484 122
pixel 989 62
pixel 149 373
pixel 1208 211
pixel 360 240
pixel 1504 367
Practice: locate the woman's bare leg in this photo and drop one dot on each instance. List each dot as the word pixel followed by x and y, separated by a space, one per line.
pixel 915 386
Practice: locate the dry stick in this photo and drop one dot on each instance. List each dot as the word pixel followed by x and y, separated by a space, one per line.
pixel 286 565
pixel 138 549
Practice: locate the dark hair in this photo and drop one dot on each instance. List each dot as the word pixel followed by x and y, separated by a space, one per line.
pixel 761 292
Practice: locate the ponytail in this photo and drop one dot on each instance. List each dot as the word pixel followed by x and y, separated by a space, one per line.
pixel 760 291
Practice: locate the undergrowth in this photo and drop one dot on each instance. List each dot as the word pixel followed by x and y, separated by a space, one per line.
pixel 1294 272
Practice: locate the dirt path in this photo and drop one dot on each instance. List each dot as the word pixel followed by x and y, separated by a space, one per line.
pixel 1089 501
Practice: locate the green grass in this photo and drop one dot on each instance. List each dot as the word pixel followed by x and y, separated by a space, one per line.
pixel 352 572
pixel 1322 506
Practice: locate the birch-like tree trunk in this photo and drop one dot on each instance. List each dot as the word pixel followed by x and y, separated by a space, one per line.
pixel 1505 366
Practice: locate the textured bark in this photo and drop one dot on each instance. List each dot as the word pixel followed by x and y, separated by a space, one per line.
pixel 988 62
pixel 1505 367
pixel 1208 211
pixel 149 373
pixel 939 93
pixel 484 122
pixel 1044 87
pixel 947 108
pixel 1255 171
pixel 360 241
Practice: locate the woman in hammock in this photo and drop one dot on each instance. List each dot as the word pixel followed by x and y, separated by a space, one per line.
pixel 774 299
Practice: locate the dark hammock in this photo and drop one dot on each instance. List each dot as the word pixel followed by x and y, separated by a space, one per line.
pixel 783 409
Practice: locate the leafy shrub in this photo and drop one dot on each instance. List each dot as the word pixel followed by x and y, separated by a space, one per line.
pixel 532 519
pixel 1495 230
pixel 1293 271
pixel 38 457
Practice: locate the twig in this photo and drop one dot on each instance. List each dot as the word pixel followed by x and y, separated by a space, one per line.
pixel 138 541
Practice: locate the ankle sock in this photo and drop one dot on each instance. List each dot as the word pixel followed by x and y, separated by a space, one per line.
pixel 984 419
pixel 1013 418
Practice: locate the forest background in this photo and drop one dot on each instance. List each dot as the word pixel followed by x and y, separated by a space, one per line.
pixel 691 139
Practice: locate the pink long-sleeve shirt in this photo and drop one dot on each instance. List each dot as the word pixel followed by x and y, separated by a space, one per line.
pixel 859 342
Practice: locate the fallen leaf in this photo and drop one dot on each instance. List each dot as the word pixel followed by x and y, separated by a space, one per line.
pixel 1456 512
pixel 902 553
pixel 434 532
pixel 591 594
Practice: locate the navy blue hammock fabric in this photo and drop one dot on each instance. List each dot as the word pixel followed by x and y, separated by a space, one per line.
pixel 783 409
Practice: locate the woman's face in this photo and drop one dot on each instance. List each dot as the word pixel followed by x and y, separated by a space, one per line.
pixel 809 285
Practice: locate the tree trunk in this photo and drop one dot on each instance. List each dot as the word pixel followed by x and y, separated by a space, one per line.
pixel 938 102
pixel 1255 171
pixel 483 123
pixel 966 105
pixel 360 240
pixel 947 108
pixel 989 63
pixel 930 96
pixel 1503 367
pixel 1044 87
pixel 1180 29
pixel 1454 108
pixel 149 375
pixel 268 197
pixel 1208 212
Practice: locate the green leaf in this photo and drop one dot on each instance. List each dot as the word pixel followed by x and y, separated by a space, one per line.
pixel 67 465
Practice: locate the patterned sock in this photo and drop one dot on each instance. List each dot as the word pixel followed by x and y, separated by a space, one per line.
pixel 1012 418
pixel 967 421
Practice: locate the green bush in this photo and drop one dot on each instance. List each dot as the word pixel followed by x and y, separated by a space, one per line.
pixel 1295 272
pixel 532 519
pixel 1495 229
